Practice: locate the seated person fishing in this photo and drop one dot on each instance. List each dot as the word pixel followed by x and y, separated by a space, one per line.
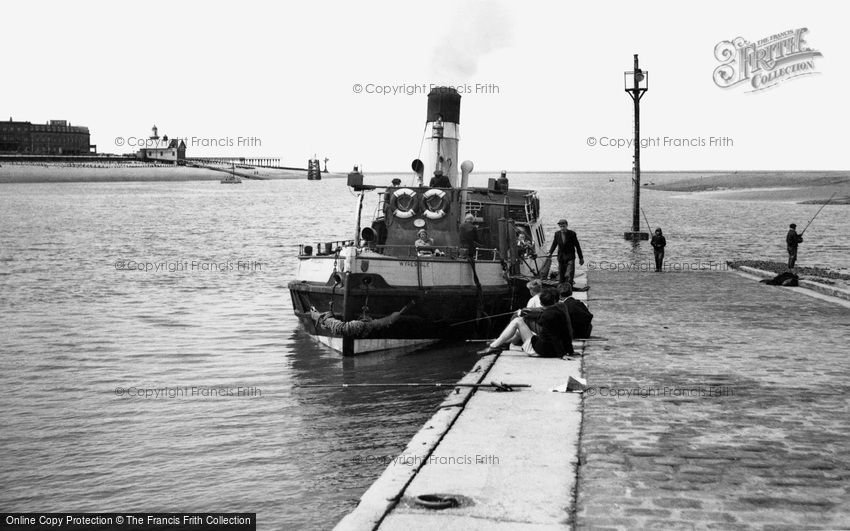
pixel 425 245
pixel 580 316
pixel 554 334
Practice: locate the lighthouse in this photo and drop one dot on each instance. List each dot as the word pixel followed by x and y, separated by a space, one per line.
pixel 442 134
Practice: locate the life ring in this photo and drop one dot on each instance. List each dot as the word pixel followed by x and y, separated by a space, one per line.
pixel 438 211
pixel 403 203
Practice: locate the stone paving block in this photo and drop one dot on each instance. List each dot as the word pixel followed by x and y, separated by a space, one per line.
pixel 767 445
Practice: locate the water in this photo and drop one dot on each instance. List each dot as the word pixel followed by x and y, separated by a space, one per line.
pixel 76 328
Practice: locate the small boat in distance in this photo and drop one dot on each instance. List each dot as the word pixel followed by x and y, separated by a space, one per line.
pixel 232 178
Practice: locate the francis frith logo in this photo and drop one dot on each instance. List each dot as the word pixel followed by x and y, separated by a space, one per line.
pixel 765 63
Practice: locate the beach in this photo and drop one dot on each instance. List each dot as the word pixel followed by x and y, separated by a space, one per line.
pixel 803 187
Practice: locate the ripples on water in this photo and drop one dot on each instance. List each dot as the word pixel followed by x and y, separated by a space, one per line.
pixel 75 328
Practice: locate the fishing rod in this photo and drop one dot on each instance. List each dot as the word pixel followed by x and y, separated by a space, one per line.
pixel 818 212
pixel 648 226
pixel 420 384
pixel 481 318
pixel 593 338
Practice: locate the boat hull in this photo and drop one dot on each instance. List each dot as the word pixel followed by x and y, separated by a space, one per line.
pixel 431 312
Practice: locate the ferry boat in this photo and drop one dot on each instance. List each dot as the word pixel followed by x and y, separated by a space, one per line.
pixel 383 291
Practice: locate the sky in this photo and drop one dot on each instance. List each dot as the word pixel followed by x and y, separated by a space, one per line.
pixel 538 79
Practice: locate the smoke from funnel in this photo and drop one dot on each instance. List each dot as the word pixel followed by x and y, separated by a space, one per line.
pixel 476 29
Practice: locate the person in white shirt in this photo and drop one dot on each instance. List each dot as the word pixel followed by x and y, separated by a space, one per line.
pixel 534 287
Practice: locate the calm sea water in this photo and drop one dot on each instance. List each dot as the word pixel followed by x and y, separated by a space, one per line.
pixel 79 334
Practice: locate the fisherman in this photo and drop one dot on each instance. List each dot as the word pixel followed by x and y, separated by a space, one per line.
pixel 567 244
pixel 659 242
pixel 439 180
pixel 580 316
pixel 553 339
pixel 792 239
pixel 535 288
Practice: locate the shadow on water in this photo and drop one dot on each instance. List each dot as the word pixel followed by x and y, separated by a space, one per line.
pixel 359 429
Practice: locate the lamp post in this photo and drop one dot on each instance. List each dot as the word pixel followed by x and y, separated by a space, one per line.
pixel 636 84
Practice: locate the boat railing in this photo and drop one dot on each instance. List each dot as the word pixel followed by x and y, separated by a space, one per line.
pixel 324 248
pixel 436 252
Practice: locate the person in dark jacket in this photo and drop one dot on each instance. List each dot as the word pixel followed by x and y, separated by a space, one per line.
pixel 659 242
pixel 554 337
pixel 439 180
pixel 792 239
pixel 567 244
pixel 580 316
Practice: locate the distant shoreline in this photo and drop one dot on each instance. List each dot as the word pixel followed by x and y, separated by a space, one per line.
pixel 129 172
pixel 811 187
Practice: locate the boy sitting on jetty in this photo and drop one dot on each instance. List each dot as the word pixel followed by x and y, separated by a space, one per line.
pixel 553 338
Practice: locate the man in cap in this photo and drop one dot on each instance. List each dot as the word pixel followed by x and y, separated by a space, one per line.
pixel 396 182
pixel 567 244
pixel 792 239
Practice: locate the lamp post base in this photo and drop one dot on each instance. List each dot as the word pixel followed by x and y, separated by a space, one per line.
pixel 636 236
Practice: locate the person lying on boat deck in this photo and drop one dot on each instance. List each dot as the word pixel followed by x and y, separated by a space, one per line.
pixel 567 244
pixel 468 234
pixel 523 245
pixel 792 239
pixel 553 339
pixel 425 245
pixel 439 180
pixel 659 242
pixel 580 316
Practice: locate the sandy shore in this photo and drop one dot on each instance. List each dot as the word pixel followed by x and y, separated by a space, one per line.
pixel 813 187
pixel 45 173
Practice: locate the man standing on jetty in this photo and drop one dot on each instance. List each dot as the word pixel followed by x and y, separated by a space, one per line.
pixel 659 242
pixel 792 239
pixel 567 244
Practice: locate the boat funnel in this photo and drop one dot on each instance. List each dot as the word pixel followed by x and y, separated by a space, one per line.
pixel 441 130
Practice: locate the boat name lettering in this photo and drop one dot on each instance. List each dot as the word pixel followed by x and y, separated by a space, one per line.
pixel 413 263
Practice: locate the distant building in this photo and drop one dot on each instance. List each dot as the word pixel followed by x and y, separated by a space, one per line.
pixel 56 137
pixel 164 150
pixel 173 152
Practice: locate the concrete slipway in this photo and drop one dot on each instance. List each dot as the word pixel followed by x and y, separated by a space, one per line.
pixel 477 445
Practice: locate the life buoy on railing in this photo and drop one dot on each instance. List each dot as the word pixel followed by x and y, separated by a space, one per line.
pixel 435 208
pixel 403 203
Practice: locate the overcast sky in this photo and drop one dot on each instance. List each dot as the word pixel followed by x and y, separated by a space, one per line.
pixel 283 75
